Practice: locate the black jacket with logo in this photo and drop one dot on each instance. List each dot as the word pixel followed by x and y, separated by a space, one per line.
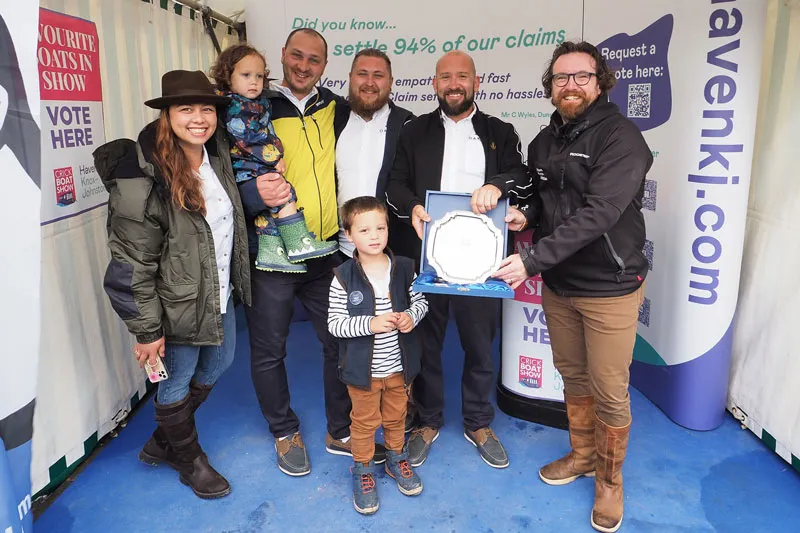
pixel 418 167
pixel 588 175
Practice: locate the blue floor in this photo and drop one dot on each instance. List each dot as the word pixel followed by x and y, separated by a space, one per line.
pixel 675 480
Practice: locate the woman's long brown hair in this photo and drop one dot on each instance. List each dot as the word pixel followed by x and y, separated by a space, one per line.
pixel 184 184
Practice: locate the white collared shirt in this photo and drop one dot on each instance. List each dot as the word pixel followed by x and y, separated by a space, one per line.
pixel 299 104
pixel 464 162
pixel 359 157
pixel 219 216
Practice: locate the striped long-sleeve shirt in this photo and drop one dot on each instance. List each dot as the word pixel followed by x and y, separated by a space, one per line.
pixel 386 356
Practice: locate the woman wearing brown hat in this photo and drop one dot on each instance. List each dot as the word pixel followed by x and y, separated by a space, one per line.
pixel 179 256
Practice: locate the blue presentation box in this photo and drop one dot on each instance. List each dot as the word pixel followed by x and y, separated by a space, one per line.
pixel 437 204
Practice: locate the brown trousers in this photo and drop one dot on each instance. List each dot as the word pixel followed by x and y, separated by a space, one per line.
pixel 384 404
pixel 592 341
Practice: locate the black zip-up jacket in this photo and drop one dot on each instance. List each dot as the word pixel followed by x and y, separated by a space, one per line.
pixel 588 175
pixel 418 167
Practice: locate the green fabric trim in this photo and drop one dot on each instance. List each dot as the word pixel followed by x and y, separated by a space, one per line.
pixel 90 444
pixel 59 471
pixel 178 9
pixel 768 439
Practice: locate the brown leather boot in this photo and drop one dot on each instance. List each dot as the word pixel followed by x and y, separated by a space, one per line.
pixel 156 450
pixel 177 422
pixel 580 461
pixel 199 393
pixel 612 445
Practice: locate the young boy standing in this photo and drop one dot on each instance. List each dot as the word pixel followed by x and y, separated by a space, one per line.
pixel 373 312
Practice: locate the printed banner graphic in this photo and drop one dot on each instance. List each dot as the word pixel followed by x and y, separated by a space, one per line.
pixel 527 368
pixel 72 109
pixel 688 75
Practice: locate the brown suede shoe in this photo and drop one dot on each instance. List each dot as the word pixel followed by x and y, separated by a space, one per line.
pixel 580 461
pixel 489 446
pixel 419 444
pixel 292 456
pixel 340 447
pixel 612 446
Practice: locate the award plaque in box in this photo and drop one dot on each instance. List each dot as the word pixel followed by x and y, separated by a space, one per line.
pixel 461 249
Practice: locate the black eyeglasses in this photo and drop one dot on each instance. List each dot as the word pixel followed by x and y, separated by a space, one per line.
pixel 581 78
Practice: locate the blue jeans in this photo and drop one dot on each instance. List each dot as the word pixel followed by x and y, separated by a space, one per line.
pixel 201 364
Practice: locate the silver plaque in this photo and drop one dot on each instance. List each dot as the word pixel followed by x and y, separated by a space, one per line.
pixel 464 247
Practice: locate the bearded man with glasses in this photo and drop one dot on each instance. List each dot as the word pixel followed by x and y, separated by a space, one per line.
pixel 588 169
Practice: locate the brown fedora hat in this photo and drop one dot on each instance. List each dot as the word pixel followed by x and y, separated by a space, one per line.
pixel 186 87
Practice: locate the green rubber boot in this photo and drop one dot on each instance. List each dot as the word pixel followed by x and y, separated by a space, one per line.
pixel 271 253
pixel 300 243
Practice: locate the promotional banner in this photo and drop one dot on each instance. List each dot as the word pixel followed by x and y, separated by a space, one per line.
pixel 72 108
pixel 688 75
pixel 19 279
pixel 511 42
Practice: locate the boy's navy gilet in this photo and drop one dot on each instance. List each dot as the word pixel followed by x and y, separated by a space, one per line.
pixel 355 354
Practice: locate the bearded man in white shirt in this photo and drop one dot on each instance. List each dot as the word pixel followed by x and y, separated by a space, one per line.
pixel 367 127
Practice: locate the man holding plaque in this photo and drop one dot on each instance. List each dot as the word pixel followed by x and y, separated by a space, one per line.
pixel 456 148
pixel 588 171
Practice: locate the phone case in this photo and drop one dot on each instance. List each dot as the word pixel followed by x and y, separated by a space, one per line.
pixel 156 373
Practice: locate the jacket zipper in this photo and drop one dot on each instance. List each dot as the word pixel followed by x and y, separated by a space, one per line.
pixel 302 116
pixel 615 256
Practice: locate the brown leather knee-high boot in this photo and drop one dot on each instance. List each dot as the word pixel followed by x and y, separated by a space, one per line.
pixel 156 450
pixel 612 445
pixel 177 422
pixel 580 461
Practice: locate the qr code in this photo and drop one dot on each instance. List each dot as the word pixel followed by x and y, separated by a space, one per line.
pixel 648 253
pixel 639 100
pixel 649 198
pixel 644 312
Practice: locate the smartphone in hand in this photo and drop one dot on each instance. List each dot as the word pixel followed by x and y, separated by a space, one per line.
pixel 156 373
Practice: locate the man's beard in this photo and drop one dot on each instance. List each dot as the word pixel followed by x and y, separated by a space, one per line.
pixel 458 109
pixel 364 108
pixel 572 110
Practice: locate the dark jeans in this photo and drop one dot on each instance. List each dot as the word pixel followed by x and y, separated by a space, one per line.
pixel 268 322
pixel 476 319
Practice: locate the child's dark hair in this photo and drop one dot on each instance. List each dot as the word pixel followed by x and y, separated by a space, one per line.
pixel 358 205
pixel 222 69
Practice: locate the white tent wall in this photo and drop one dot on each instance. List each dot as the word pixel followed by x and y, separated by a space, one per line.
pixel 88 380
pixel 766 365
